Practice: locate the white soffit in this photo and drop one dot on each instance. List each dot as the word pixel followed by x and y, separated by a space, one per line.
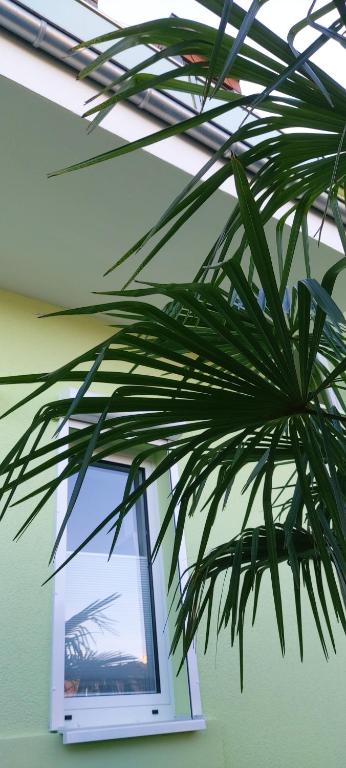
pixel 58 236
pixel 29 67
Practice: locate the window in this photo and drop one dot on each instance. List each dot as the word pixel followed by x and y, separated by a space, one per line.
pixel 111 673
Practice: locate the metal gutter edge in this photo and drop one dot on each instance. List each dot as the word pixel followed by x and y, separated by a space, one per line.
pixel 42 34
pixel 45 36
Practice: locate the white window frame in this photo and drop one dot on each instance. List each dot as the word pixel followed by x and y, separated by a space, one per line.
pixel 94 718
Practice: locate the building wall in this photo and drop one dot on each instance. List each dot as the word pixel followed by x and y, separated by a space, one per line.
pixel 289 714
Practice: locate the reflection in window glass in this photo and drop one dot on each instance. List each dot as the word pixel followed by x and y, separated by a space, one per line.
pixel 110 642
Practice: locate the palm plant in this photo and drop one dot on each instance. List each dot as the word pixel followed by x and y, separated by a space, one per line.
pixel 244 373
pixel 233 385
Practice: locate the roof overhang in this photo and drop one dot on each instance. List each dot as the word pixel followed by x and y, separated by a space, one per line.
pixel 59 236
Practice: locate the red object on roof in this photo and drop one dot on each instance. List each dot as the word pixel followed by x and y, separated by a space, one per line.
pixel 230 83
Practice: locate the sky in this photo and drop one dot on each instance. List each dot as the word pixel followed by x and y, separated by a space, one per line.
pixel 276 14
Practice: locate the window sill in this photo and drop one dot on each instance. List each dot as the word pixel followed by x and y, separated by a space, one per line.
pixel 78 735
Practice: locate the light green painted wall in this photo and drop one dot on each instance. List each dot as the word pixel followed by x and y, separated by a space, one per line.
pixel 289 716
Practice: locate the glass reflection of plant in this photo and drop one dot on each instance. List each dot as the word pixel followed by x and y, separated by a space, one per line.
pixel 93 673
pixel 78 636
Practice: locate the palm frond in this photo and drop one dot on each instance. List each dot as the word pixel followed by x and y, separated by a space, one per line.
pixel 230 386
pixel 295 94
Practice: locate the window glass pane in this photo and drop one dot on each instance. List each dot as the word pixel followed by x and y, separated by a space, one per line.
pixel 110 642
